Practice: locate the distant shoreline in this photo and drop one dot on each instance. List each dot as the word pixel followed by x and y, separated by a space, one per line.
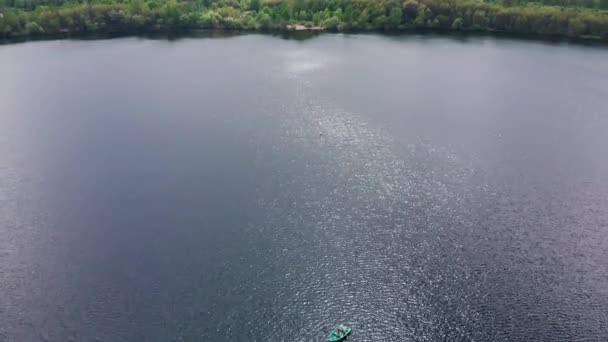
pixel 179 17
pixel 298 27
pixel 299 34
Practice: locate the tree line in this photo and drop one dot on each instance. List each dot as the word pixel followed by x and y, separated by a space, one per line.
pixel 562 18
pixel 599 4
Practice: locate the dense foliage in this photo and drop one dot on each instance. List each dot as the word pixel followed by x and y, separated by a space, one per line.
pixel 601 4
pixel 566 18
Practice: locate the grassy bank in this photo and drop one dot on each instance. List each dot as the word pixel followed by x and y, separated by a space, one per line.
pixel 52 18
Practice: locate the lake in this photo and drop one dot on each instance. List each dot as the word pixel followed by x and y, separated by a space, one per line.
pixel 415 188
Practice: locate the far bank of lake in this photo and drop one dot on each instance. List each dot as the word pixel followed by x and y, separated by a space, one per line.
pixel 140 17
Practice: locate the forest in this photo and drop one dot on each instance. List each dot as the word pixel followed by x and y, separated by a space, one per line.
pixel 581 19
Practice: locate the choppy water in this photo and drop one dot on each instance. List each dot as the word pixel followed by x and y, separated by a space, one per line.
pixel 253 188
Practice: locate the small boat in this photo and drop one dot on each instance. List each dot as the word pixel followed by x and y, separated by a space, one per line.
pixel 339 333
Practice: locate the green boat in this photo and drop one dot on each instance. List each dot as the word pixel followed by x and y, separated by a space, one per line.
pixel 339 333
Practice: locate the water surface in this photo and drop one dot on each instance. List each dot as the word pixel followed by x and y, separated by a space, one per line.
pixel 245 188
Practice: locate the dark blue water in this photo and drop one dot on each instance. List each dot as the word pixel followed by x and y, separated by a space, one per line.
pixel 256 188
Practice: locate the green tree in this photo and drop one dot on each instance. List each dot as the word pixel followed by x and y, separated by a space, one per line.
pixel 136 6
pixel 255 5
pixel 521 25
pixel 363 20
pixel 410 8
pixel 424 14
pixel 480 20
pixel 332 24
pixel 576 27
pixel 589 3
pixel 458 24
pixel 394 18
pixel 263 20
pixel 379 22
pixel 299 5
